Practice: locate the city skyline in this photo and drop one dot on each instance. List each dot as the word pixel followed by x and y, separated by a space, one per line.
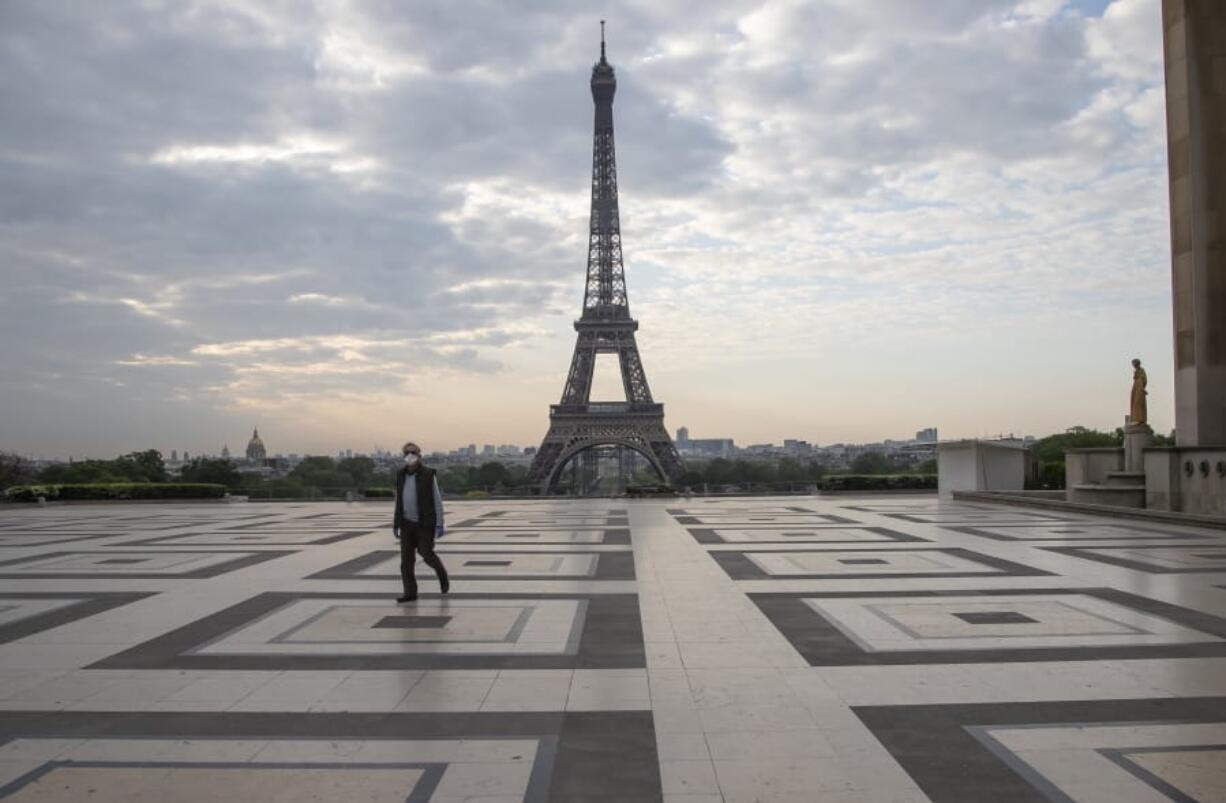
pixel 927 435
pixel 843 220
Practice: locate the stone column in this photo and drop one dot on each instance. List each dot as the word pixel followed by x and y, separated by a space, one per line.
pixel 1137 438
pixel 1195 44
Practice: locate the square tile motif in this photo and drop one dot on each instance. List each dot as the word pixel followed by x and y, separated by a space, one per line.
pixel 120 565
pixel 802 535
pixel 457 535
pixel 543 522
pixel 995 618
pixel 1154 559
pixel 921 504
pixel 412 622
pixel 25 613
pixel 749 510
pixel 384 565
pixel 1168 749
pixel 282 630
pixel 836 564
pixel 980 516
pixel 928 627
pixel 405 758
pixel 249 538
pixel 792 521
pixel 1076 532
pixel 21 539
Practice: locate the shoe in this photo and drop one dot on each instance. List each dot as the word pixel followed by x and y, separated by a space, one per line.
pixel 407 598
pixel 444 583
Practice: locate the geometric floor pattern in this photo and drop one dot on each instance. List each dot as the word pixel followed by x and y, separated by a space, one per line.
pixel 838 648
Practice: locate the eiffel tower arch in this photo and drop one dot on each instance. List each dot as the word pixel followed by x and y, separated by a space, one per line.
pixel 577 424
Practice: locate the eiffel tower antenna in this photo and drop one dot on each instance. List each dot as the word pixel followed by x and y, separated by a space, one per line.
pixel 576 424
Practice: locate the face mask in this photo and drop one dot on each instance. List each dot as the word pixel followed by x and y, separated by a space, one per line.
pixel 411 459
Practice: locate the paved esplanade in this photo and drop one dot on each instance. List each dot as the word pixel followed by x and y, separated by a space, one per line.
pixel 791 648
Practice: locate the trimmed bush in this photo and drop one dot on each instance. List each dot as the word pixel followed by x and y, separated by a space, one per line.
pixel 638 491
pixel 115 491
pixel 379 493
pixel 877 482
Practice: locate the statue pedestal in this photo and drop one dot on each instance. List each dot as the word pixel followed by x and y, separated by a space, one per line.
pixel 1137 438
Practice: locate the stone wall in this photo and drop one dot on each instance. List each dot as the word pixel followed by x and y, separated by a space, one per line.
pixel 1191 480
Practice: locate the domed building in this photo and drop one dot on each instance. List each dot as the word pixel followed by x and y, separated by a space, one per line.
pixel 255 448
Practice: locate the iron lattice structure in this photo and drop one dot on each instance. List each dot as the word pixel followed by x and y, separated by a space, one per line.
pixel 578 424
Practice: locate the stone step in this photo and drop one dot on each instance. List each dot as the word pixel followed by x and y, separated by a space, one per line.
pixel 1115 495
pixel 1125 479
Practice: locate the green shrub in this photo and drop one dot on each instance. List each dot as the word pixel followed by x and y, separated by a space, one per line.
pixel 379 493
pixel 66 492
pixel 1051 476
pixel 649 489
pixel 877 482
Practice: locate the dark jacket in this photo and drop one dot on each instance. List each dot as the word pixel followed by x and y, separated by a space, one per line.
pixel 427 516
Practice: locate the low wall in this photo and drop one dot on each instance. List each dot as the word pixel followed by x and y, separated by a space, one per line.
pixel 1090 466
pixel 1186 480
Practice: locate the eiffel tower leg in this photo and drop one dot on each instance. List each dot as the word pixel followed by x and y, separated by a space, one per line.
pixel 634 379
pixel 582 366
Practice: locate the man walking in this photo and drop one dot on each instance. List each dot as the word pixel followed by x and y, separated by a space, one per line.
pixel 418 520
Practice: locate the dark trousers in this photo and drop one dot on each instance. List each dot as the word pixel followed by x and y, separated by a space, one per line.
pixel 414 540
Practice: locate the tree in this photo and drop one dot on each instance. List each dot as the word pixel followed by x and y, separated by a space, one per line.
pixel 208 469
pixel 789 470
pixel 1052 448
pixel 313 464
pixel 322 473
pixel 14 470
pixel 492 474
pixel 362 469
pixel 814 470
pixel 871 463
pixel 146 466
pixel 82 471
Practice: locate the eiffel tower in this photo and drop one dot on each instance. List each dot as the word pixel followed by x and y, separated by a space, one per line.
pixel 578 426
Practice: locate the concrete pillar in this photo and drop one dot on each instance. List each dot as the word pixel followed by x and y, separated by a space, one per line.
pixel 1194 32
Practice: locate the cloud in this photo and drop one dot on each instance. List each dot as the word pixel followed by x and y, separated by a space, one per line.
pixel 299 209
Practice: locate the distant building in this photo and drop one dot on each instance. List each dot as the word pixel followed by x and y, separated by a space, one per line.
pixel 488 450
pixel 710 447
pixel 174 455
pixel 255 448
pixel 225 452
pixel 683 437
pixel 928 435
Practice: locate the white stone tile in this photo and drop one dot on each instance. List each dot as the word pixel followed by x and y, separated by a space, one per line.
pixel 688 777
pixel 443 690
pixel 529 690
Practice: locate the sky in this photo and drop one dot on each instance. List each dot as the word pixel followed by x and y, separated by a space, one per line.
pixel 356 223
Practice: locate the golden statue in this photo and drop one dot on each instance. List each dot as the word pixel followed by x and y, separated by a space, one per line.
pixel 1139 410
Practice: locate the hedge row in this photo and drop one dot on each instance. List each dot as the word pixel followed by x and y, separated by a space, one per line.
pixel 115 490
pixel 388 493
pixel 877 482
